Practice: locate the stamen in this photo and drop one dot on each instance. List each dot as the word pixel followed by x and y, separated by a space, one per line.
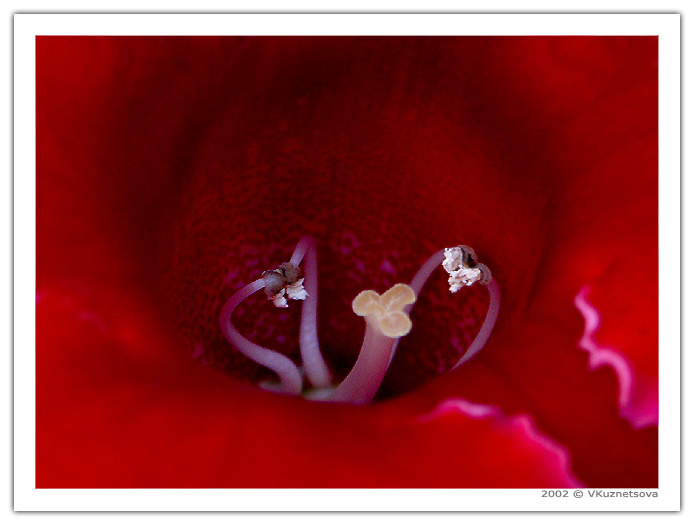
pixel 286 279
pixel 463 270
pixel 385 321
pixel 290 377
pixel 453 259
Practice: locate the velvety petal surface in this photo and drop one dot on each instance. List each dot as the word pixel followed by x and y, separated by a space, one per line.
pixel 120 406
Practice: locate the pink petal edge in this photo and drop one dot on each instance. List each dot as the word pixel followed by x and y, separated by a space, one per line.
pixel 640 411
pixel 521 426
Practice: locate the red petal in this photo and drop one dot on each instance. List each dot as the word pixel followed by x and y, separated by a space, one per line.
pixel 117 407
pixel 606 236
pixel 551 136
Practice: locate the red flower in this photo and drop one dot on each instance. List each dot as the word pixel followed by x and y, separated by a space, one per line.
pixel 171 171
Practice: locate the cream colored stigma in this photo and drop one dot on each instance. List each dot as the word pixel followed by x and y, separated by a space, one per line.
pixel 385 311
pixel 386 321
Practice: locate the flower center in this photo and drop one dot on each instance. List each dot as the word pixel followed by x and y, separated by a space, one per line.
pixel 262 342
pixel 386 315
pixel 243 215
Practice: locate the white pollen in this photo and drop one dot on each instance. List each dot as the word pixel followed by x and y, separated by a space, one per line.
pixel 294 291
pixel 459 273
pixel 279 300
pixel 463 277
pixel 453 259
pixel 297 291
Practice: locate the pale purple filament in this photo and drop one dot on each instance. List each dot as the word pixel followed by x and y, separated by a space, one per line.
pixel 480 340
pixel 362 383
pixel 417 284
pixel 487 325
pixel 314 365
pixel 290 377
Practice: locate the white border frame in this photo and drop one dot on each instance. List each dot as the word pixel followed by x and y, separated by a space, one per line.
pixel 27 26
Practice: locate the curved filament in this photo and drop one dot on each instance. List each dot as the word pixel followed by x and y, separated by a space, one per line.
pixel 418 282
pixel 289 375
pixel 487 325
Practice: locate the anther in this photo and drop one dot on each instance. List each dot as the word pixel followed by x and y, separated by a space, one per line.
pixel 285 280
pixel 274 282
pixel 463 269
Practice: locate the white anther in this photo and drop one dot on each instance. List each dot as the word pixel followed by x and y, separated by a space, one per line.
pixel 453 259
pixel 460 274
pixel 279 300
pixel 463 277
pixel 294 291
pixel 297 291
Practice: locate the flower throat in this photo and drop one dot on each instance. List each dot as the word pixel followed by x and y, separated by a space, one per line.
pixel 386 316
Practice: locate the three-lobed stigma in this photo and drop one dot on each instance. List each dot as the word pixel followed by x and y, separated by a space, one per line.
pixel 386 311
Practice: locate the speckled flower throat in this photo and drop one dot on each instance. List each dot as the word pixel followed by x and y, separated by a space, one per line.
pixel 256 192
pixel 386 316
pixel 298 320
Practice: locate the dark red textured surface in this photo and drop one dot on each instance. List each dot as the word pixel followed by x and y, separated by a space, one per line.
pixel 172 170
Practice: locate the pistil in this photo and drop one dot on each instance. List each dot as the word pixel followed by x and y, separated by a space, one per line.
pixel 385 322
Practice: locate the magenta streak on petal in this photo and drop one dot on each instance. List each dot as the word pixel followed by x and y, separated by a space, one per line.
pixel 601 356
pixel 522 424
pixel 473 410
